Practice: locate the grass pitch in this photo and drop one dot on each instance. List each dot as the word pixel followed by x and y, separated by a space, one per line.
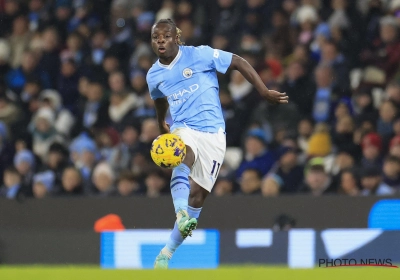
pixel 228 273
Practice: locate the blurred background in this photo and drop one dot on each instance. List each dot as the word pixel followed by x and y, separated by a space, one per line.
pixel 77 122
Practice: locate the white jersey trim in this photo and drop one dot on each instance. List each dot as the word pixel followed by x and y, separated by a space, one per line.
pixel 172 64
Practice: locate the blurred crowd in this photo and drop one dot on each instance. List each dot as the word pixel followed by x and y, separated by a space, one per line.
pixel 76 118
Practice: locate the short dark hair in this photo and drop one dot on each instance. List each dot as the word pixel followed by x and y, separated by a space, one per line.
pixel 128 176
pixel 393 159
pixel 11 169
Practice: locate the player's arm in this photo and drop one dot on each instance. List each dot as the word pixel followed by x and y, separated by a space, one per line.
pixel 162 105
pixel 251 75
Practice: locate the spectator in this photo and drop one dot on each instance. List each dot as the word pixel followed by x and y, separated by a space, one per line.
pixel 257 155
pixel 43 184
pixel 343 136
pixel 319 144
pixel 44 132
pixel 71 183
pixel 25 163
pixel 394 148
pixel 305 129
pixel 349 183
pixel 12 188
pixel 324 94
pixel 103 179
pixel 6 149
pixel 156 183
pixel 56 161
pixel 9 112
pixel 343 160
pixel 371 183
pixel 17 77
pixel 128 184
pixel 289 171
pixel 250 181
pixel 371 150
pixel 271 185
pixel 242 91
pixel 224 186
pixel 330 55
pixel 391 172
pixel 317 180
pixel 5 52
pixel 121 155
pixel 94 112
pixel 307 18
pixel 234 116
pixel 388 43
pixel 63 12
pixel 50 59
pixel 393 93
pixel 387 114
pixel 364 107
pixel 68 84
pixel 12 9
pixel 63 119
pixel 298 87
pixel 19 40
pixel 122 103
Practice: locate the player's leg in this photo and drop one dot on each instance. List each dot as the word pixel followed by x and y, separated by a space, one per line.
pixel 185 223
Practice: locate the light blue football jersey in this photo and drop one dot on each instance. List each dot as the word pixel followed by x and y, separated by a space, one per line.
pixel 191 87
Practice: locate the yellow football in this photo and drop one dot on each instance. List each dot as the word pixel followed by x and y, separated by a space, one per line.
pixel 168 150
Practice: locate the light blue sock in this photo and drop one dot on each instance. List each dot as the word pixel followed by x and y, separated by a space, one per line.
pixel 180 187
pixel 194 212
pixel 175 239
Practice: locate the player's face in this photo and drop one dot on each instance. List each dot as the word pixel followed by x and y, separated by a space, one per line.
pixel 163 41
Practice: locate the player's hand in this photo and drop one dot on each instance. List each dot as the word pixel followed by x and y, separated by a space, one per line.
pixel 164 128
pixel 276 97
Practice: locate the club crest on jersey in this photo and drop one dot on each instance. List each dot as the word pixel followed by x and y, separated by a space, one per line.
pixel 187 73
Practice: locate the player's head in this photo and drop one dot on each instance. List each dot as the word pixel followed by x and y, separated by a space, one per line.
pixel 165 38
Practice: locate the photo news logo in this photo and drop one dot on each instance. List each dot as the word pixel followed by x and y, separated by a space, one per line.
pixel 327 263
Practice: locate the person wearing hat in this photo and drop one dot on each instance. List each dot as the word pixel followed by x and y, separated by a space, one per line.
pixel 291 174
pixel 257 155
pixel 371 150
pixel 25 163
pixel 43 184
pixel 371 183
pixel 317 181
pixel 389 44
pixel 44 132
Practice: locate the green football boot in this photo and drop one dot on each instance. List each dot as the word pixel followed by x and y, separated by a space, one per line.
pixel 185 224
pixel 161 261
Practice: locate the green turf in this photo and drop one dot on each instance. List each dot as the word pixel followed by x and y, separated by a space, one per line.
pixel 229 273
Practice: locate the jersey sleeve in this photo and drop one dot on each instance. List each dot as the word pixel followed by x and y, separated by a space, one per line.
pixel 218 59
pixel 155 93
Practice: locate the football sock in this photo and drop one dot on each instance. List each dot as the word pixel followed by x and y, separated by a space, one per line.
pixel 194 212
pixel 180 187
pixel 175 239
